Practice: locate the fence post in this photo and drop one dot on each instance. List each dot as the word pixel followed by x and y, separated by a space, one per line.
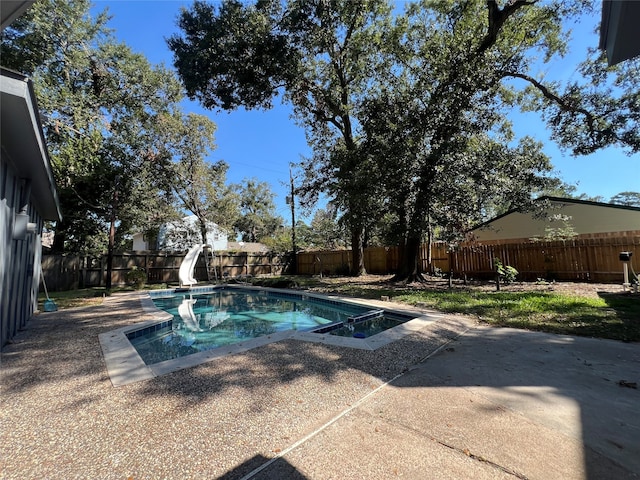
pixel 146 265
pixel 82 281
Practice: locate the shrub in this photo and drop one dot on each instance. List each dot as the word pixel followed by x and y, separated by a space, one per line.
pixel 136 277
pixel 507 273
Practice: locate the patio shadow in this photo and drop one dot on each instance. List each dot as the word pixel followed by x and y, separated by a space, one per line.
pixel 278 468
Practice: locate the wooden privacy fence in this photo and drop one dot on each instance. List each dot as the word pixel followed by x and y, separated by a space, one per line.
pixel 69 272
pixel 377 260
pixel 592 260
pixel 589 259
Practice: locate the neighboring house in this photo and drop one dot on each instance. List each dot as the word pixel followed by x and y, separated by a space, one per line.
pixel 619 35
pixel 27 198
pixel 249 247
pixel 565 218
pixel 183 234
pixel 140 242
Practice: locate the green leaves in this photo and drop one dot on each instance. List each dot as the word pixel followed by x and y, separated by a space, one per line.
pixel 104 110
pixel 257 218
pixel 200 186
pixel 233 56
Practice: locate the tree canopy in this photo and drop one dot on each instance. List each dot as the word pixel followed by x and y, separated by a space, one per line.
pixel 321 56
pixel 407 114
pixel 101 104
pixel 257 219
pixel 630 199
pixel 125 156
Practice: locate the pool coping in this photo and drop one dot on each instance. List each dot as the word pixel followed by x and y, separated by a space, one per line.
pixel 125 366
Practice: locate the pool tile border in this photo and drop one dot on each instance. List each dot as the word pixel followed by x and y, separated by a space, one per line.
pixel 125 365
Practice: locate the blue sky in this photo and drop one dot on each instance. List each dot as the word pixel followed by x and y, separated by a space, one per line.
pixel 262 144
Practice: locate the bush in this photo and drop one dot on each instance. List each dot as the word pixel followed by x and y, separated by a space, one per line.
pixel 136 277
pixel 507 273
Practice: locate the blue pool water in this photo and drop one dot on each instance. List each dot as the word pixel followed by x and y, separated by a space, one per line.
pixel 226 316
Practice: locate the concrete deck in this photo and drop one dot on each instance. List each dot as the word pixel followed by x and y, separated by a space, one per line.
pixel 452 400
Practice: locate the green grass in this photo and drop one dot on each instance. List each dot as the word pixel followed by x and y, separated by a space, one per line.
pixel 616 316
pixel 612 316
pixel 84 297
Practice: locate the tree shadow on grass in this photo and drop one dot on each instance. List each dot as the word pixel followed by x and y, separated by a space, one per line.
pixel 626 321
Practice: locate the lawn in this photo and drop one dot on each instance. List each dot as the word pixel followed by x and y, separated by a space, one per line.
pixel 615 317
pixel 573 310
pixel 84 297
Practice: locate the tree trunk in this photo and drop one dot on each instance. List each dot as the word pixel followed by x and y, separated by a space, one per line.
pixel 203 231
pixel 59 238
pixel 408 267
pixel 429 249
pixel 357 257
pixel 112 233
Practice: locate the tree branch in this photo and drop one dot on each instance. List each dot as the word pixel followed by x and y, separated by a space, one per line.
pixel 496 19
pixel 549 95
pixel 591 119
pixel 96 208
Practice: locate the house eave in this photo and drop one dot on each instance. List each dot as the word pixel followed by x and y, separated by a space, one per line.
pixel 23 142
pixel 13 9
pixel 619 35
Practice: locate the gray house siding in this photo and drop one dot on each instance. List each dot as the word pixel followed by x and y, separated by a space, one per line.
pixel 19 259
pixel 27 194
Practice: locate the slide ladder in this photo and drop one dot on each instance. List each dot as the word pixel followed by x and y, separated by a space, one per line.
pixel 210 257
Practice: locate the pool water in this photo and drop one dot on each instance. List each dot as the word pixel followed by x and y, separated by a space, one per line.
pixel 366 329
pixel 228 316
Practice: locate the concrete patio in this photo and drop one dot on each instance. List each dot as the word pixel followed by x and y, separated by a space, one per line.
pixel 453 400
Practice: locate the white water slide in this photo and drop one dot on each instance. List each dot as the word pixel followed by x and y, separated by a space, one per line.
pixel 188 265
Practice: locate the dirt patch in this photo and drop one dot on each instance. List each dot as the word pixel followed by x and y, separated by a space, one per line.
pixel 382 282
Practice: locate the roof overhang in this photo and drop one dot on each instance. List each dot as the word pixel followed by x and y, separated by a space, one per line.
pixel 619 30
pixel 13 9
pixel 23 143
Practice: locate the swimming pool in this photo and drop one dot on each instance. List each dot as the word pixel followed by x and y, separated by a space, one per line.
pixel 351 323
pixel 206 320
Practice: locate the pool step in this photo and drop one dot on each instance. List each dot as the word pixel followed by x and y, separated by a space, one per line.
pixel 328 328
pixel 363 317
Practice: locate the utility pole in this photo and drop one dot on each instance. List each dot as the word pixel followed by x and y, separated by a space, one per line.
pixel 292 201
